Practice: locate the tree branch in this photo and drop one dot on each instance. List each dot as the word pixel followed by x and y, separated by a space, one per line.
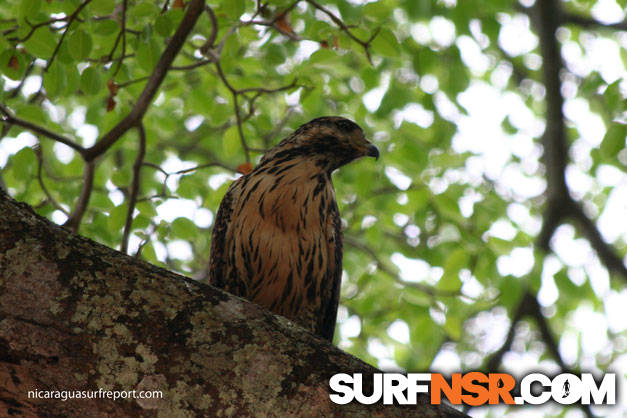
pixel 81 303
pixel 74 221
pixel 194 10
pixel 560 205
pixel 494 361
pixel 529 307
pixel 604 251
pixel 554 138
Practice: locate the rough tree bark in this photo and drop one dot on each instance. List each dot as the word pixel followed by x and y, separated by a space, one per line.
pixel 75 315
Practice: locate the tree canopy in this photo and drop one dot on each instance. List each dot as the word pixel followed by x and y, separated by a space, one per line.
pixel 489 235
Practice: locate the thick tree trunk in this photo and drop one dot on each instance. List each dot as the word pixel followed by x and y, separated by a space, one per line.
pixel 75 315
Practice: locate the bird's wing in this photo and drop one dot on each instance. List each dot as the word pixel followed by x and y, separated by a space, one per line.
pixel 217 271
pixel 334 275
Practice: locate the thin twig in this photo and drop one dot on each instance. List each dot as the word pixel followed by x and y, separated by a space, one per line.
pixel 137 80
pixel 429 290
pixel 365 44
pixel 278 127
pixel 51 200
pixel 267 90
pixel 191 66
pixel 19 87
pixel 206 165
pixel 186 170
pixel 134 189
pixel 214 31
pixel 36 26
pixel 587 22
pixel 236 92
pixel 123 32
pixel 70 20
pixel 238 117
pixel 9 119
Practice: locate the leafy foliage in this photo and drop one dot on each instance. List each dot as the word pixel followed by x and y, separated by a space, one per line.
pixel 429 228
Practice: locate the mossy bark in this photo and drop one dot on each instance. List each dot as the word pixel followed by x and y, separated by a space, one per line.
pixel 76 315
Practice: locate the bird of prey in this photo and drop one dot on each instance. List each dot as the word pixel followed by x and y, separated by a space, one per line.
pixel 277 238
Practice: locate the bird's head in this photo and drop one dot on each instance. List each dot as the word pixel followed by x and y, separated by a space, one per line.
pixel 329 141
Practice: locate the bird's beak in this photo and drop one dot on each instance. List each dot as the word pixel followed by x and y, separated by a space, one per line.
pixel 372 151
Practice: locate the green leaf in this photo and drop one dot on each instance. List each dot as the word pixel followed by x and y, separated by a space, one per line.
pixel 13 64
pixel 453 326
pixel 163 25
pixel 31 113
pixel 72 79
pixel 148 54
pixel 500 246
pixel 41 43
pixel 144 9
pixel 105 28
pixel 147 208
pixel 64 55
pixel 101 202
pixel 91 81
pixel 231 53
pixel 323 55
pixel 395 98
pixel 199 102
pixel 141 222
pixel 275 54
pixel 29 8
pixel 80 45
pixel 54 79
pixel 184 228
pixel 117 217
pixel 457 260
pixel 613 95
pixel 121 178
pixel 614 140
pixel 378 10
pixel 448 207
pixel 25 162
pixel 189 187
pixel 386 44
pixel 508 127
pixel 102 7
pixel 234 8
pixel 231 142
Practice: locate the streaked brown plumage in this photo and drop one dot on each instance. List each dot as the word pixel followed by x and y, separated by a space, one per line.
pixel 277 239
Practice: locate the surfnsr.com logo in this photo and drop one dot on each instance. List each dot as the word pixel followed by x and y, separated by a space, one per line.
pixel 474 388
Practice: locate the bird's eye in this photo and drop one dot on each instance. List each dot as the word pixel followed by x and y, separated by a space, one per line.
pixel 346 125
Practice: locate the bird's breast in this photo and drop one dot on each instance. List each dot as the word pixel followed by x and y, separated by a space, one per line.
pixel 284 224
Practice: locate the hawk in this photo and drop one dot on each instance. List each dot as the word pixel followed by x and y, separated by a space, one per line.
pixel 277 238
